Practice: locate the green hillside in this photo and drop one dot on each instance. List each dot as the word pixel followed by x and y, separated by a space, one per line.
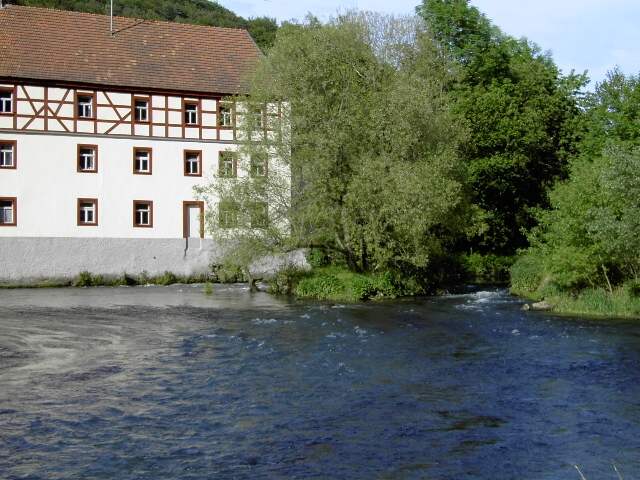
pixel 200 12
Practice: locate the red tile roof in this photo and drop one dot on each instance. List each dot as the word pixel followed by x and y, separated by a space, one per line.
pixel 64 46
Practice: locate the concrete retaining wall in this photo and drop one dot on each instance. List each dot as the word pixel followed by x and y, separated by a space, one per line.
pixel 29 260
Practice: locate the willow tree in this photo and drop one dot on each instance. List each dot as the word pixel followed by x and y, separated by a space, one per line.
pixel 368 137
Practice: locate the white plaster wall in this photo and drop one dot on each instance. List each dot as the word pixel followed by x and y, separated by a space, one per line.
pixel 47 185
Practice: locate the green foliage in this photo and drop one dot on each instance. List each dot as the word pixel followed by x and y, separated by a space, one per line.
pixel 167 278
pixel 590 239
pixel 369 139
pixel 317 258
pixel 84 279
pixel 228 273
pixel 521 114
pixel 199 12
pixel 336 283
pixel 208 288
pixel 487 268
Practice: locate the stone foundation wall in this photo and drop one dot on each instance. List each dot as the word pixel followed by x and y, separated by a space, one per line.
pixel 29 260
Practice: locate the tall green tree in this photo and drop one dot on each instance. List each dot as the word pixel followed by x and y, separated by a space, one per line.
pixel 591 236
pixel 521 114
pixel 369 139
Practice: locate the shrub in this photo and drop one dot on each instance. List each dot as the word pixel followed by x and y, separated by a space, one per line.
pixel 167 278
pixel 84 279
pixel 487 268
pixel 317 258
pixel 527 274
pixel 208 288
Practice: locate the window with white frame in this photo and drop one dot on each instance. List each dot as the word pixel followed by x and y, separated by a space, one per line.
pixel 225 115
pixel 142 161
pixel 193 163
pixel 87 158
pixel 7 154
pixel 141 110
pixel 7 212
pixel 85 106
pixel 190 113
pixel 87 211
pixel 142 213
pixel 6 101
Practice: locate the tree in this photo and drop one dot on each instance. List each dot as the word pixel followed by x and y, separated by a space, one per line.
pixel 520 112
pixel 370 142
pixel 591 236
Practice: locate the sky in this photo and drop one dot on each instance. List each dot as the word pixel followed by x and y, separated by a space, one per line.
pixel 593 35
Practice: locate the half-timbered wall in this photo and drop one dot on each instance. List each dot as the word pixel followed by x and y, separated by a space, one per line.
pixel 53 109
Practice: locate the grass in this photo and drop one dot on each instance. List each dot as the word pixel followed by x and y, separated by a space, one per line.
pixel 597 302
pixel 338 284
pixel 86 279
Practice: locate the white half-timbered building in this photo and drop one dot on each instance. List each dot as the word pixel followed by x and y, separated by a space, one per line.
pixel 103 135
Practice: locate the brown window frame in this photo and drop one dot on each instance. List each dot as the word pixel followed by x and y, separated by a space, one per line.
pixel 235 163
pixel 95 158
pixel 144 98
pixel 232 111
pixel 149 150
pixel 13 200
pixel 266 167
pixel 185 209
pixel 197 103
pixel 234 207
pixel 94 201
pixel 12 91
pixel 192 152
pixel 135 220
pixel 77 104
pixel 252 216
pixel 15 154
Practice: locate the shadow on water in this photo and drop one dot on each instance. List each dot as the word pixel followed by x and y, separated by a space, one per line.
pixel 166 382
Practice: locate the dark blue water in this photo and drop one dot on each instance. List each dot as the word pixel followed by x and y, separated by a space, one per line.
pixel 167 383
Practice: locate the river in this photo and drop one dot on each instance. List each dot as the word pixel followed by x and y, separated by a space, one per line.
pixel 169 383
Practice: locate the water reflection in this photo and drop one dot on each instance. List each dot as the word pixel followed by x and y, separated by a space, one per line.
pixel 147 383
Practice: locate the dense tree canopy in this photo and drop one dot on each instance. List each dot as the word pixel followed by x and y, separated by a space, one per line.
pixel 519 110
pixel 591 236
pixel 200 12
pixel 372 144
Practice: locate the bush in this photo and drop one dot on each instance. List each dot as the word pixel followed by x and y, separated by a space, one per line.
pixel 84 279
pixel 317 258
pixel 167 278
pixel 228 273
pixel 285 281
pixel 527 275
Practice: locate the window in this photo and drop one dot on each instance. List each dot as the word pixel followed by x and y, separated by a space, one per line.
pixel 227 164
pixel 141 109
pixel 87 212
pixel 258 117
pixel 228 214
pixel 225 115
pixel 7 154
pixel 8 212
pixel 193 163
pixel 259 165
pixel 88 158
pixel 259 215
pixel 6 101
pixel 85 105
pixel 142 213
pixel 191 113
pixel 142 161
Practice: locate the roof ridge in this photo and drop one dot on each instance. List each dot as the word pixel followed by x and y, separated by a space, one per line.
pixel 12 6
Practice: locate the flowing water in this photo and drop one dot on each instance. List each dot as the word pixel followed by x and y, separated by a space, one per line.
pixel 168 383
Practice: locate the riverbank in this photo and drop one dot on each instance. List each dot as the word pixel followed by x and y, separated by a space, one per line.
pixel 596 302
